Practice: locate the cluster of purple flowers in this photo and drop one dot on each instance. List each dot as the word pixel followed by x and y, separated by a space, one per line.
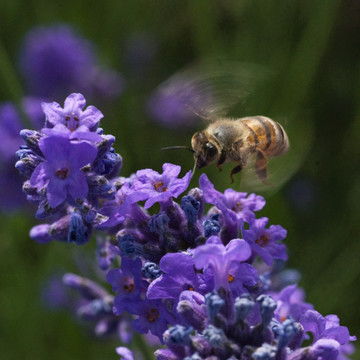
pixel 68 165
pixel 199 274
pixel 54 61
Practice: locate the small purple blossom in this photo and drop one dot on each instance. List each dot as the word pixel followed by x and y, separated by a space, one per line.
pixel 242 204
pixel 61 171
pixel 327 327
pixel 172 282
pixel 116 210
pixel 265 242
pixel 222 263
pixel 128 283
pixel 161 187
pixel 72 116
pixel 290 302
pixel 152 315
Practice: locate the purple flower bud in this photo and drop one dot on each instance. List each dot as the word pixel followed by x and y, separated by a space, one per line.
pixel 267 308
pixel 99 186
pixel 32 138
pixel 165 354
pixel 214 303
pixel 211 226
pixel 243 305
pixel 265 352
pixel 151 270
pixel 79 232
pixel 104 255
pixel 191 208
pixel 284 332
pixel 88 289
pixel 178 335
pixel 192 310
pixel 125 353
pixel 59 230
pixel 40 233
pixel 129 247
pixel 27 163
pixel 159 223
pixel 215 336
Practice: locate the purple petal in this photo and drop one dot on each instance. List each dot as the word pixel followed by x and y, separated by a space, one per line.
pixel 237 249
pixel 78 187
pixel 54 112
pixel 40 233
pixel 55 148
pixel 57 130
pixel 56 192
pixel 82 153
pixel 171 170
pixel 40 176
pixel 91 116
pixel 74 102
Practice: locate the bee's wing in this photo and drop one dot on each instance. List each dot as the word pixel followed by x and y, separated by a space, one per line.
pixel 281 168
pixel 209 89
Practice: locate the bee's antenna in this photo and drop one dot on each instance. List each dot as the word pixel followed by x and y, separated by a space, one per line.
pixel 178 147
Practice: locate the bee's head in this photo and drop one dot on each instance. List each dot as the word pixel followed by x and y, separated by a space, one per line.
pixel 206 150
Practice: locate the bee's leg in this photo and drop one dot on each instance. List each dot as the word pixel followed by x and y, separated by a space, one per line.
pixel 234 171
pixel 221 160
pixel 260 167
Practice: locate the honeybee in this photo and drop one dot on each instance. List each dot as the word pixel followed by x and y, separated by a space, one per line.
pixel 228 140
pixel 208 91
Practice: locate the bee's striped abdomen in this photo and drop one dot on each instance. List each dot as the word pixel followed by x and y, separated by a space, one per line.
pixel 269 136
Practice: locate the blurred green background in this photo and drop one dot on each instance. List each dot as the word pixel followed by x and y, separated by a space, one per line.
pixel 312 49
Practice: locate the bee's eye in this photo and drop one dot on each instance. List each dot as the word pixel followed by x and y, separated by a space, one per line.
pixel 211 150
